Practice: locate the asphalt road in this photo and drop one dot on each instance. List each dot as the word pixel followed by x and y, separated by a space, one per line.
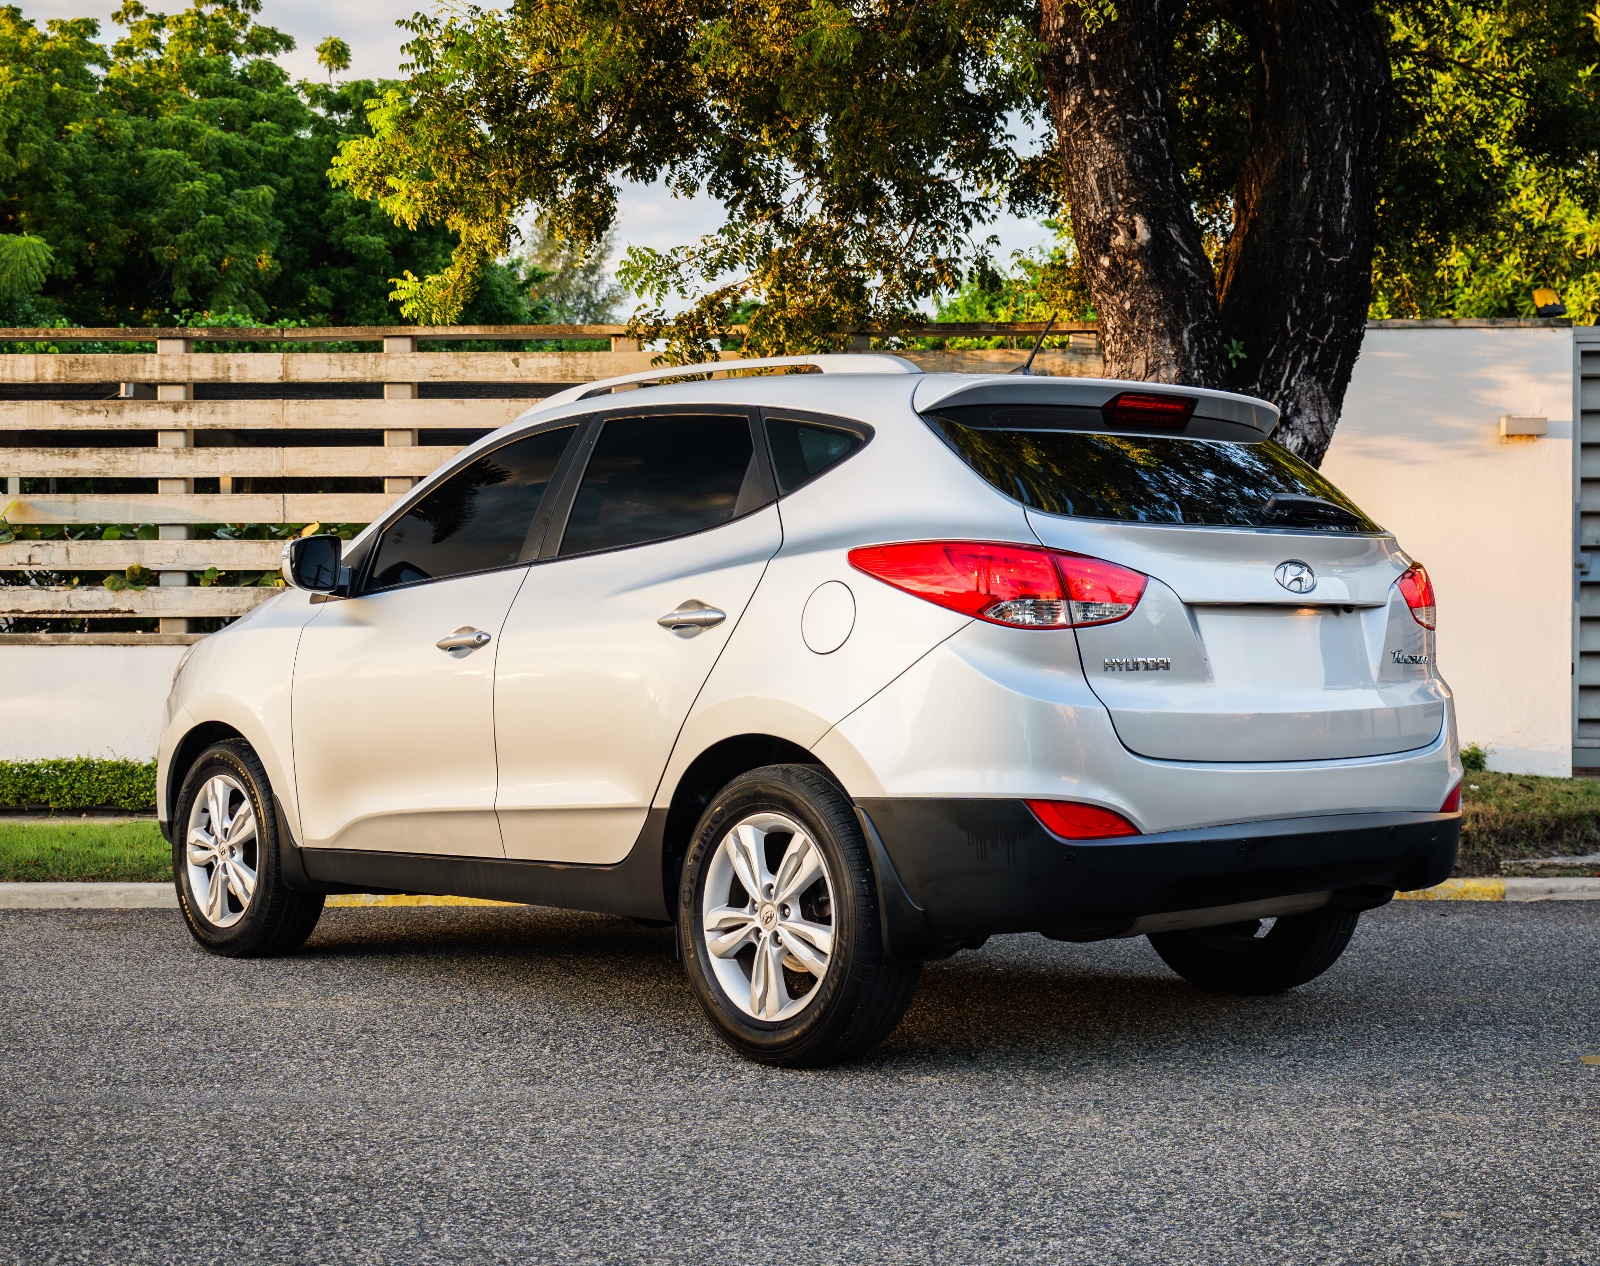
pixel 518 1085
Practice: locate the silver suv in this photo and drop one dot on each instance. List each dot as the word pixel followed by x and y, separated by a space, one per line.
pixel 837 672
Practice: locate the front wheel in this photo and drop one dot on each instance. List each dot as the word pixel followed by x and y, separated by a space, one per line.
pixel 1249 958
pixel 778 923
pixel 226 861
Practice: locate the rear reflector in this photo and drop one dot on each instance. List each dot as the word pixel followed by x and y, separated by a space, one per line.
pixel 1021 586
pixel 1452 802
pixel 1417 590
pixel 1073 821
pixel 1148 411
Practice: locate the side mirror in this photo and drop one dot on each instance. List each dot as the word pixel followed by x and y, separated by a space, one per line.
pixel 312 562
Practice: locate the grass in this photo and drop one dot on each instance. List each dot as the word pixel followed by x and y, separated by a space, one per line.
pixel 1512 816
pixel 1507 817
pixel 61 849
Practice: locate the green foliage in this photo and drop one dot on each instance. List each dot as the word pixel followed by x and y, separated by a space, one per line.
pixel 1041 285
pixel 1474 759
pixel 856 148
pixel 78 783
pixel 334 54
pixel 53 851
pixel 175 174
pixel 24 262
pixel 1494 184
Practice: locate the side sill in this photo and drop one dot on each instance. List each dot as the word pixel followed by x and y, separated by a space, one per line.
pixel 633 887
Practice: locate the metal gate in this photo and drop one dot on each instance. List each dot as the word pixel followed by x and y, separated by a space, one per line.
pixel 1586 515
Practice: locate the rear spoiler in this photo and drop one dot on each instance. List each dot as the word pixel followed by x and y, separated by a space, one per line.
pixel 1206 414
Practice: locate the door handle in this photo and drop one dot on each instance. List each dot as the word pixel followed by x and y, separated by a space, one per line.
pixel 692 616
pixel 467 639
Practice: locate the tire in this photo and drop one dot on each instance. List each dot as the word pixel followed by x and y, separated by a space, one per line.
pixel 797 983
pixel 1238 958
pixel 230 884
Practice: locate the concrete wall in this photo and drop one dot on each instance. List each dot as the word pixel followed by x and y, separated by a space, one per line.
pixel 1419 450
pixel 83 700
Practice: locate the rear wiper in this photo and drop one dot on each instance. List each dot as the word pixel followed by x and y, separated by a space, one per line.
pixel 1292 507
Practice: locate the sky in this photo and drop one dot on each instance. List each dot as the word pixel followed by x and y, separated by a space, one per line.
pixel 649 215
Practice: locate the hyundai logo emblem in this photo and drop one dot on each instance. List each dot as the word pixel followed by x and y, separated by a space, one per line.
pixel 1295 576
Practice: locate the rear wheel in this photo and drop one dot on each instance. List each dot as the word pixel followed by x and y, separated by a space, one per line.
pixel 778 923
pixel 226 860
pixel 1251 958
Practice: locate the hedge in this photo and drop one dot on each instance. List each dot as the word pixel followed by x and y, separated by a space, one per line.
pixel 78 783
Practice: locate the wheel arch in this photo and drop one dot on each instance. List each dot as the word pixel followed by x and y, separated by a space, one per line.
pixel 704 776
pixel 184 754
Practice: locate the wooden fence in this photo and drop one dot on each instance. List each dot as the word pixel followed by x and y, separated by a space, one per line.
pixel 175 417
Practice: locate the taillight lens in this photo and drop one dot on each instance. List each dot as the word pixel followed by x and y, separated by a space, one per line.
pixel 1417 590
pixel 1021 586
pixel 1452 802
pixel 1073 821
pixel 1148 410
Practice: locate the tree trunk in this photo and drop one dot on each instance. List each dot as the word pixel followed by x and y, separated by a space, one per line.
pixel 1131 218
pixel 1296 277
pixel 1296 274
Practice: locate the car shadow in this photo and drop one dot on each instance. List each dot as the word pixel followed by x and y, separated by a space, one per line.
pixel 1019 997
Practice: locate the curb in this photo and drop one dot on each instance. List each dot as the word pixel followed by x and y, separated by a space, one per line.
pixel 1507 890
pixel 85 896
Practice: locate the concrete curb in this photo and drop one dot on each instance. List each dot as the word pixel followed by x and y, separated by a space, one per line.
pixel 1507 890
pixel 83 896
pixel 80 896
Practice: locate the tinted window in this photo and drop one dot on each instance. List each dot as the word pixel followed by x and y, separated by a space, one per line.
pixel 476 520
pixel 661 476
pixel 803 450
pixel 1156 479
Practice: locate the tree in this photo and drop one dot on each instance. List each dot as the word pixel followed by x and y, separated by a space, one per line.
pixel 334 54
pixel 1223 162
pixel 176 174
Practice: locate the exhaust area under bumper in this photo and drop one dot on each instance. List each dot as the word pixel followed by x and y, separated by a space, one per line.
pixel 952 871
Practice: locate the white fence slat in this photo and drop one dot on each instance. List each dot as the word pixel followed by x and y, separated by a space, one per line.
pixel 201 463
pixel 254 415
pixel 318 367
pixel 217 507
pixel 215 601
pixel 191 555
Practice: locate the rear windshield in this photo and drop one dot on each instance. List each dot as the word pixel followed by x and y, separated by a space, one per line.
pixel 1155 479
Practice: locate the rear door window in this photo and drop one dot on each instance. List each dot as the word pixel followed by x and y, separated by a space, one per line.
pixel 1153 478
pixel 663 475
pixel 478 519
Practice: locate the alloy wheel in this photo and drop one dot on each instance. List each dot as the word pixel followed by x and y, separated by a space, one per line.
pixel 767 912
pixel 222 850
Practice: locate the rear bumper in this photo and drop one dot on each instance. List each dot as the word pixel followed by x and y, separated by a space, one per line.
pixel 952 870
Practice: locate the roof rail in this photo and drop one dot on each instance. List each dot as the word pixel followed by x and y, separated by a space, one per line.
pixel 840 363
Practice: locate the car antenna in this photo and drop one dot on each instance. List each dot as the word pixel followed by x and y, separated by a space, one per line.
pixel 1026 368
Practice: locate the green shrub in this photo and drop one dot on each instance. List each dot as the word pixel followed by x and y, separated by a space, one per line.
pixel 79 782
pixel 1474 759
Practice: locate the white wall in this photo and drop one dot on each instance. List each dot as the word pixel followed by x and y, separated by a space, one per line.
pixel 83 700
pixel 1419 449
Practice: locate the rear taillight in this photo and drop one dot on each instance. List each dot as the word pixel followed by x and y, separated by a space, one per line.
pixel 1073 821
pixel 1021 586
pixel 1452 802
pixel 1148 411
pixel 1417 590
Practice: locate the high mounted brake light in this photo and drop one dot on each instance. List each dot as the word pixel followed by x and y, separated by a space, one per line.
pixel 1417 590
pixel 1148 411
pixel 1021 586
